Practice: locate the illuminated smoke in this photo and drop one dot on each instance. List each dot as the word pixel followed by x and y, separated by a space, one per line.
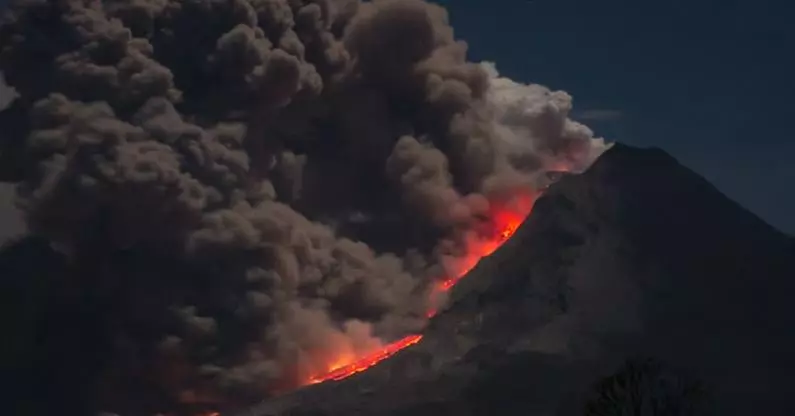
pixel 260 187
pixel 505 220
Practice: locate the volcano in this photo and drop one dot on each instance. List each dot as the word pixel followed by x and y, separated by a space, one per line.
pixel 227 200
pixel 637 257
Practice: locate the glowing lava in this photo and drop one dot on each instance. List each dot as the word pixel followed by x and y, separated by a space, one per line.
pixel 367 361
pixel 505 219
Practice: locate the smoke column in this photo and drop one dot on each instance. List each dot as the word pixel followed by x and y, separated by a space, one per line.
pixel 248 189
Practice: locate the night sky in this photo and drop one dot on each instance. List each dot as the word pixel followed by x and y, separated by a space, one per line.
pixel 710 81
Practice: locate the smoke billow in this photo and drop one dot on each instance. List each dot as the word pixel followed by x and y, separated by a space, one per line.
pixel 254 187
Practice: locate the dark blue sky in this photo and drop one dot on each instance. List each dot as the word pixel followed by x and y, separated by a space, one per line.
pixel 709 81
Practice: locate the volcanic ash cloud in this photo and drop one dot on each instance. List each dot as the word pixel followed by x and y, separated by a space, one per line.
pixel 256 187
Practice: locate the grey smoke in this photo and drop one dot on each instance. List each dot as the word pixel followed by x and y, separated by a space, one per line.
pixel 244 141
pixel 7 94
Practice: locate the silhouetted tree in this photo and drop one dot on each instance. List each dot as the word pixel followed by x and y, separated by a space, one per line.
pixel 647 387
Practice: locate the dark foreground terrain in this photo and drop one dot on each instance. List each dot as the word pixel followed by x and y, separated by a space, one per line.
pixel 638 257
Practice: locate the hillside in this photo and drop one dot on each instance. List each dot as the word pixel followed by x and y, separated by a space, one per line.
pixel 637 257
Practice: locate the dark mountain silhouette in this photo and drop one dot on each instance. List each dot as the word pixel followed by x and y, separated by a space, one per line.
pixel 637 257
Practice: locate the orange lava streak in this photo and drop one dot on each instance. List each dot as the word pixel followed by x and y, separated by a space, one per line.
pixel 505 219
pixel 367 361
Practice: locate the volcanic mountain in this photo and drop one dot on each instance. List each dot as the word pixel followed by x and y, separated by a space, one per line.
pixel 637 257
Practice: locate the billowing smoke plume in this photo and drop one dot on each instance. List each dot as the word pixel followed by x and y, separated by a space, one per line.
pixel 251 187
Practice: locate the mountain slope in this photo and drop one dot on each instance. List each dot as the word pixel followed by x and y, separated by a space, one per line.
pixel 639 256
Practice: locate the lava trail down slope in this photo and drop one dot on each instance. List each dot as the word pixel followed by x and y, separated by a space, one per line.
pixel 243 197
pixel 638 256
pixel 506 219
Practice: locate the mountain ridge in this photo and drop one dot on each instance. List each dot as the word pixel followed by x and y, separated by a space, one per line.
pixel 638 256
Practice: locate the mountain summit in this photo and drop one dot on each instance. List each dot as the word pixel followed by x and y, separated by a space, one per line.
pixel 637 257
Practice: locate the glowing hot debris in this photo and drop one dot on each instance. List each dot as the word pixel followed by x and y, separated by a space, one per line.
pixel 509 230
pixel 344 371
pixel 505 220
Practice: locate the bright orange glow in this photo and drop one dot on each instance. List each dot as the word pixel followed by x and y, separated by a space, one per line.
pixel 504 219
pixel 341 370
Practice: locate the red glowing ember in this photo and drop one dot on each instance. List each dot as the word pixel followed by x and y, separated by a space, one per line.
pixel 505 220
pixel 367 361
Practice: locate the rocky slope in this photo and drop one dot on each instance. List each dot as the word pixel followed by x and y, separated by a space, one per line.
pixel 639 256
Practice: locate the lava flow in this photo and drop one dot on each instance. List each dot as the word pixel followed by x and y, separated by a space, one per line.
pixel 368 361
pixel 505 219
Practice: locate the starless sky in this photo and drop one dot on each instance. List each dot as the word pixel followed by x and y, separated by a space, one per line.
pixel 710 81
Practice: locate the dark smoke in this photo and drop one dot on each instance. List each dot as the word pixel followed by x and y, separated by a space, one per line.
pixel 244 188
